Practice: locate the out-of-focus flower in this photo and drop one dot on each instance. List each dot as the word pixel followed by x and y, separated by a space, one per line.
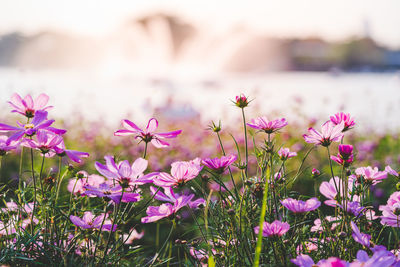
pixel 363 239
pixel 124 173
pixel 299 206
pixel 342 117
pixel 381 258
pixel 181 173
pixel 219 164
pixel 329 133
pixel 330 191
pixel 303 260
pixel 315 172
pixel 77 185
pixel 27 106
pixel 389 170
pixel 284 153
pixel 262 123
pixel 73 155
pixel 274 229
pixel 241 101
pixel 155 213
pixel 45 142
pixel 370 175
pixel 147 135
pixel 40 121
pixel 112 192
pixel 88 221
pixel 134 235
pixel 391 211
pixel 4 147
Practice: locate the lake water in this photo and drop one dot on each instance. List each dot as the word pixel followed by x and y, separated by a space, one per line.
pixel 372 98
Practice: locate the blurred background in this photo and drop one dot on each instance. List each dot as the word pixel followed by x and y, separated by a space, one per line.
pixel 109 60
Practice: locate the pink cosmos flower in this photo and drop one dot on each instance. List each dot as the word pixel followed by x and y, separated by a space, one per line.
pixel 284 153
pixel 73 155
pixel 45 142
pixel 155 213
pixel 389 170
pixel 172 197
pixel 147 135
pixel 181 173
pixel 27 106
pixel 330 190
pixel 317 227
pixel 359 237
pixel 125 173
pixel 380 257
pixel 345 155
pixel 330 133
pixel 77 185
pixel 303 260
pixel 4 147
pixel 262 123
pixel 134 235
pixel 40 121
pixel 275 229
pixel 112 192
pixel 88 221
pixel 219 164
pixel 391 211
pixel 299 206
pixel 371 175
pixel 342 117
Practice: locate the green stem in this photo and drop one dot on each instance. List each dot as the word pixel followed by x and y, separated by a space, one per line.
pixel 34 188
pixel 245 140
pixel 145 150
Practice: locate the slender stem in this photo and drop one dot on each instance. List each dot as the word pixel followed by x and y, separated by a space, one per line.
pixel 145 150
pixel 34 188
pixel 245 140
pixel 20 174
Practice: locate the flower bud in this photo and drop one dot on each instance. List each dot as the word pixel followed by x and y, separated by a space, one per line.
pixel 315 173
pixel 241 101
pixel 345 151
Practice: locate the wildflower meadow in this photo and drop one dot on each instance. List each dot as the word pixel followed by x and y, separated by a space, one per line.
pixel 261 192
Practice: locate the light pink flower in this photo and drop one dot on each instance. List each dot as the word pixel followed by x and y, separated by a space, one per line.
pixel 88 221
pixel 181 173
pixel 371 175
pixel 299 206
pixel 284 153
pixel 330 133
pixel 147 135
pixel 27 106
pixel 342 117
pixel 262 123
pixel 134 235
pixel 219 164
pixel 275 229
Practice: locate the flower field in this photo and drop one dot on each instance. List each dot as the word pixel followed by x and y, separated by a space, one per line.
pixel 261 191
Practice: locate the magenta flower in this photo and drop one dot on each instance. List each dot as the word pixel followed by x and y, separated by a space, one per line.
pixel 88 221
pixel 40 121
pixel 155 213
pixel 262 123
pixel 241 101
pixel 330 133
pixel 27 106
pixel 219 164
pixel 299 206
pixel 181 173
pixel 112 192
pixel 359 237
pixel 125 173
pixel 172 197
pixel 342 117
pixel 45 142
pixel 73 155
pixel 275 229
pixel 391 211
pixel 345 155
pixel 4 147
pixel 389 170
pixel 371 175
pixel 284 153
pixel 147 135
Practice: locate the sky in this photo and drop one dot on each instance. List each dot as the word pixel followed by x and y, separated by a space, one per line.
pixel 332 20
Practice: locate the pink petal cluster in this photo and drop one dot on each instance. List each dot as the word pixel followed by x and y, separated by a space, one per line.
pixel 299 206
pixel 27 106
pixel 285 153
pixel 345 155
pixel 110 191
pixel 262 123
pixel 181 173
pixel 371 175
pixel 274 229
pixel 89 221
pixel 391 211
pixel 219 164
pixel 343 117
pixel 329 133
pixel 363 239
pixel 147 135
